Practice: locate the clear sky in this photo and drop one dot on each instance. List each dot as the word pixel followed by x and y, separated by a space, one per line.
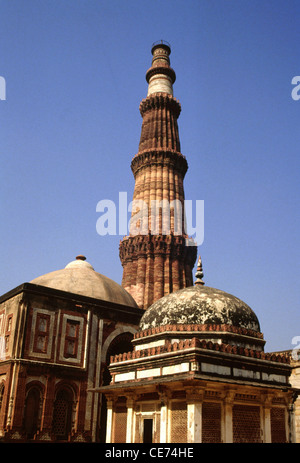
pixel 70 125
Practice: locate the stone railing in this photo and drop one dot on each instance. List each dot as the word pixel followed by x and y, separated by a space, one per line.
pixel 204 327
pixel 202 344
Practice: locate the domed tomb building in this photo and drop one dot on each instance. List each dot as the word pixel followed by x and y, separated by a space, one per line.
pixel 57 333
pixel 198 373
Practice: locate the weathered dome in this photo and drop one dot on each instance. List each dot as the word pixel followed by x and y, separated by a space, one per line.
pixel 200 305
pixel 79 277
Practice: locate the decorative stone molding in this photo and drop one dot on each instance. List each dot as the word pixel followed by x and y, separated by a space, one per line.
pixel 162 157
pixel 202 344
pixel 173 247
pixel 160 100
pixel 205 327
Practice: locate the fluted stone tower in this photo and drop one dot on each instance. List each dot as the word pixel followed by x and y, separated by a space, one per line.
pixel 157 256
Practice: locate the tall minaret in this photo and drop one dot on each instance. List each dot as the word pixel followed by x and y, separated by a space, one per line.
pixel 155 257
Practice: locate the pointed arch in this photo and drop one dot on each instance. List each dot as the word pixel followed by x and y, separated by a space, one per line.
pixel 2 389
pixel 63 411
pixel 119 330
pixel 32 409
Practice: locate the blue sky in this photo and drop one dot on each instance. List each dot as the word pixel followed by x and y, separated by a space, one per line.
pixel 70 125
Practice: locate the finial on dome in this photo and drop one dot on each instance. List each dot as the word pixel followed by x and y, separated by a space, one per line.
pixel 80 263
pixel 199 273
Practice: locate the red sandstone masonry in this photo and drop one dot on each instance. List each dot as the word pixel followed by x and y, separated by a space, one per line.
pixel 156 265
pixel 156 249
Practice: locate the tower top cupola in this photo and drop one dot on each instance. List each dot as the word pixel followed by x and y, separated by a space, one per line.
pixel 160 76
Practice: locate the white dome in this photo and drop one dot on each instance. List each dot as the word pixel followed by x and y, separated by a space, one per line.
pixel 79 277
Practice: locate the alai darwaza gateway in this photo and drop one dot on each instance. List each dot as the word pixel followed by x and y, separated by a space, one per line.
pixel 160 358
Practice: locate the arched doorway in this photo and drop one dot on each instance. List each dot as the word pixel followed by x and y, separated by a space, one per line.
pixel 1 393
pixel 62 414
pixel 119 345
pixel 31 412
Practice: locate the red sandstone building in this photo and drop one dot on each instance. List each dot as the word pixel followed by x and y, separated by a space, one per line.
pixel 57 334
pixel 158 359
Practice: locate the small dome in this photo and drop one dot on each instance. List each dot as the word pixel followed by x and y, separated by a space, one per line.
pixel 200 305
pixel 79 277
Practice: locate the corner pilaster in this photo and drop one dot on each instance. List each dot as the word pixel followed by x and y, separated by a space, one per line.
pixel 194 414
pixel 227 428
pixel 130 403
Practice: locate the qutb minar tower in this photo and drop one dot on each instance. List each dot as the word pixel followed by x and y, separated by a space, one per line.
pixel 158 257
